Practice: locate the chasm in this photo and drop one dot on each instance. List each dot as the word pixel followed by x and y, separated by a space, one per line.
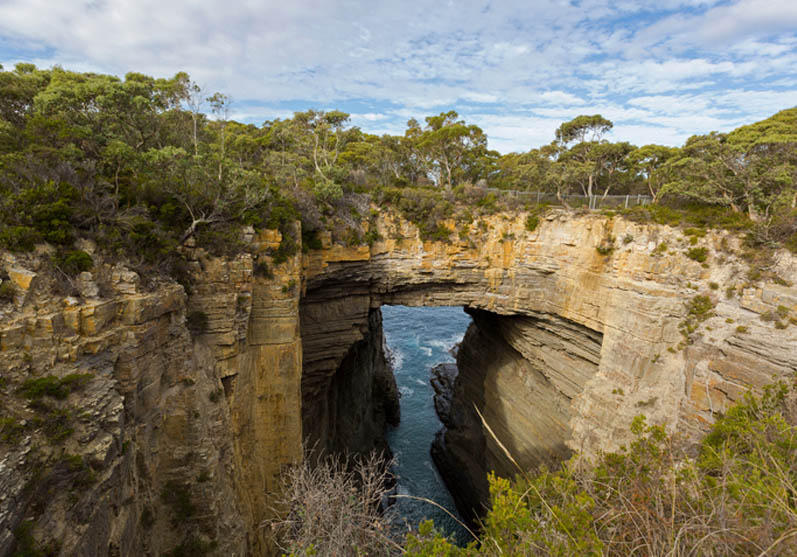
pixel 418 339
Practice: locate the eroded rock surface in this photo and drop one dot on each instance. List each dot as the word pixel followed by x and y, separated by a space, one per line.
pixel 568 345
pixel 572 343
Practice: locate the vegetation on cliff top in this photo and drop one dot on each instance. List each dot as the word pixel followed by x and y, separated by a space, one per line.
pixel 136 165
pixel 733 494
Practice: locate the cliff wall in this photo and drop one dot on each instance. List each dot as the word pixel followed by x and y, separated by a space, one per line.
pixel 584 323
pixel 177 438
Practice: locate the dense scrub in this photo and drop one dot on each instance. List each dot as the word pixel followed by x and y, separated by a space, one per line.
pixel 733 494
pixel 145 166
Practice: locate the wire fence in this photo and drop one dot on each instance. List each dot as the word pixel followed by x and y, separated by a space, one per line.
pixel 574 200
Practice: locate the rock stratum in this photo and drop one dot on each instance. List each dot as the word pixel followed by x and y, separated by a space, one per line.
pixel 181 436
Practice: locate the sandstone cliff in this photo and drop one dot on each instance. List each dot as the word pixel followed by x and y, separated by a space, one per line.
pixel 176 439
pixel 181 437
pixel 585 322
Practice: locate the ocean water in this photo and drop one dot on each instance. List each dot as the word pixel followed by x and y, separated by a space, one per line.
pixel 417 339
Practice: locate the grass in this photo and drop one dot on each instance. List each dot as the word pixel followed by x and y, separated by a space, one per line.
pixel 54 387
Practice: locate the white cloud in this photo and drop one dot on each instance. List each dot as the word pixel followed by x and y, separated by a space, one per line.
pixel 656 67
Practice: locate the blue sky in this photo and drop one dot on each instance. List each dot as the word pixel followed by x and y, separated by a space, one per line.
pixel 660 70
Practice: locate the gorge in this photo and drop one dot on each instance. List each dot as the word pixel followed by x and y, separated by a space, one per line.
pixel 578 326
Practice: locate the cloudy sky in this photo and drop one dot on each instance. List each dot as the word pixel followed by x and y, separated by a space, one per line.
pixel 661 70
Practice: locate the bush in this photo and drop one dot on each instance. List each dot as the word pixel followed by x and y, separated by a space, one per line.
pixel 19 238
pixel 651 498
pixel 697 254
pixel 53 386
pixel 11 431
pixel 75 262
pixel 332 507
pixel 263 270
pixel 177 497
pixel 531 222
pixel 7 291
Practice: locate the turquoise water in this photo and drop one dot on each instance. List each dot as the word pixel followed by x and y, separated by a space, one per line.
pixel 417 339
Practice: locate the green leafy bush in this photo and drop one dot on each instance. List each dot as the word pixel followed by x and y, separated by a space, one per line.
pixel 53 386
pixel 736 497
pixel 7 291
pixel 11 430
pixel 19 238
pixel 698 254
pixel 177 496
pixel 75 262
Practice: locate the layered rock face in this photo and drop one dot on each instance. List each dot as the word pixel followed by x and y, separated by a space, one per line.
pixel 175 440
pixel 178 439
pixel 573 342
pixel 521 373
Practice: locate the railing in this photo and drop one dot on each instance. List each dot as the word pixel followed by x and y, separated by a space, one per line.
pixel 574 200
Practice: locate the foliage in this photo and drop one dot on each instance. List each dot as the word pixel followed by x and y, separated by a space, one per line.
pixel 697 254
pixel 7 291
pixel 11 430
pixel 652 498
pixel 177 496
pixel 53 386
pixel 135 165
pixel 75 262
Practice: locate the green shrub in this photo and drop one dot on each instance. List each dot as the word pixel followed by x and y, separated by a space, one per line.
pixel 7 291
pixel 698 309
pixel 311 240
pixel 147 518
pixel 287 248
pixel 606 247
pixel 660 249
pixel 53 386
pixel 11 430
pixel 19 238
pixel 56 423
pixel 27 546
pixel 263 270
pixel 651 497
pixel 531 222
pixel 695 232
pixel 192 546
pixel 697 254
pixel 75 262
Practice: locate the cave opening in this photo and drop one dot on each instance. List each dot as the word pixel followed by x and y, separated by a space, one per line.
pixel 419 339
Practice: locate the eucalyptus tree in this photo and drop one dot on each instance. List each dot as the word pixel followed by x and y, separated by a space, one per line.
pixel 586 154
pixel 650 161
pixel 752 169
pixel 451 149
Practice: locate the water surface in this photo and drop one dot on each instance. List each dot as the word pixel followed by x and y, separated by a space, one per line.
pixel 417 339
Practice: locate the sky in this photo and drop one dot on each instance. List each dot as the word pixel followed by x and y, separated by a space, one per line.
pixel 660 70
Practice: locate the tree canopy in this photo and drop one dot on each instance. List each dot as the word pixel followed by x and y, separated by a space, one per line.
pixel 137 164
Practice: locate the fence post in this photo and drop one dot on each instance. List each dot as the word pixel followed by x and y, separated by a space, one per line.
pixel 626 201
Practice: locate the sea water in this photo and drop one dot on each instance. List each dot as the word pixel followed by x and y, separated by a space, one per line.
pixel 417 339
